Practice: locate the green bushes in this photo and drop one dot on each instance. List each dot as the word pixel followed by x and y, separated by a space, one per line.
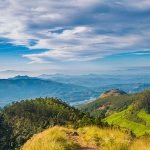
pixel 29 117
pixel 5 134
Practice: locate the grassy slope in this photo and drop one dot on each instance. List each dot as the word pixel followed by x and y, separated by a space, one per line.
pixel 124 120
pixel 111 104
pixel 94 138
pixel 144 116
pixel 128 111
pixel 54 138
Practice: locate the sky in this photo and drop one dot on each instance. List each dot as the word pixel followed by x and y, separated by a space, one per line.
pixel 73 36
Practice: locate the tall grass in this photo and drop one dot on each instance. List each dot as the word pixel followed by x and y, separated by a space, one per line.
pixel 51 139
pixel 141 144
pixel 105 139
pixel 59 138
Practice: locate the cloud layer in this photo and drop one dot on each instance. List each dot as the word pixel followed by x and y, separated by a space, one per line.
pixel 76 30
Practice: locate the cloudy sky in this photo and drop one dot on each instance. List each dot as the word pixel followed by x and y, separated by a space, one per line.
pixel 73 36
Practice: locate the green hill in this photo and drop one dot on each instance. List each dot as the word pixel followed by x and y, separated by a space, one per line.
pixel 131 112
pixel 136 117
pixel 29 117
pixel 109 104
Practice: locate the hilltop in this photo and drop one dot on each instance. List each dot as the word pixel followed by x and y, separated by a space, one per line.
pixel 113 92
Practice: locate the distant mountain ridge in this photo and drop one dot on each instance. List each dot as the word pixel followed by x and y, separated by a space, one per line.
pixel 73 89
pixel 22 77
pixel 24 87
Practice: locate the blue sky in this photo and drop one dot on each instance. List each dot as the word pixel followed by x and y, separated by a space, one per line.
pixel 73 36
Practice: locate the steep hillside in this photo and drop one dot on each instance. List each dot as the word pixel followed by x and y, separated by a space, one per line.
pixel 108 105
pixel 136 117
pixel 111 104
pixel 28 117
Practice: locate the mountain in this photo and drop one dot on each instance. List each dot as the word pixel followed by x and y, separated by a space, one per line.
pixel 113 92
pixel 72 89
pixel 136 117
pixel 24 87
pixel 98 80
pixel 21 77
pixel 129 111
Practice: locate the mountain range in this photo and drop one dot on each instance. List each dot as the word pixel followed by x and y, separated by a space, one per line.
pixel 73 89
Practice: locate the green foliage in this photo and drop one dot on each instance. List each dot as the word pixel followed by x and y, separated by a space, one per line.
pixel 120 120
pixel 144 101
pixel 5 135
pixel 109 105
pixel 136 117
pixel 21 120
pixel 33 116
pixel 131 112
pixel 145 117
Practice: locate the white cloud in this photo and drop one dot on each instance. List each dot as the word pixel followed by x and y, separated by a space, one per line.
pixel 72 30
pixel 138 4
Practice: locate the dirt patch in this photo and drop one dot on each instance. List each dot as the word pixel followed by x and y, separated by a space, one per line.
pixel 76 139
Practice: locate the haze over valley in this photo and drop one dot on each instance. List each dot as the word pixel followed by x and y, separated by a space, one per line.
pixel 73 89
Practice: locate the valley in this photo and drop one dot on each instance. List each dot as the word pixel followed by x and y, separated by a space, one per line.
pixel 74 90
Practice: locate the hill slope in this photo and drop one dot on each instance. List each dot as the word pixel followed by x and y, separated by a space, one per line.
pixel 130 111
pixel 87 138
pixel 29 117
pixel 109 104
pixel 136 117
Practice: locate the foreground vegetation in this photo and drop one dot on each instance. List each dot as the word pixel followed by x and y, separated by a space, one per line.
pixel 59 138
pixel 115 123
pixel 26 118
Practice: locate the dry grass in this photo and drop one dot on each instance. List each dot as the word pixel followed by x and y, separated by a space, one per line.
pixel 51 139
pixel 141 144
pixel 59 138
pixel 105 139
